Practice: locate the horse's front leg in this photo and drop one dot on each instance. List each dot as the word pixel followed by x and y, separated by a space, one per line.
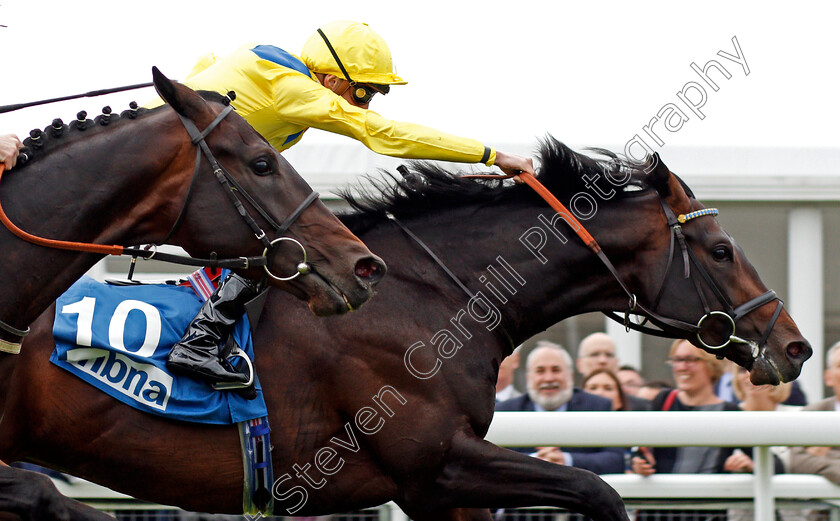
pixel 33 497
pixel 480 474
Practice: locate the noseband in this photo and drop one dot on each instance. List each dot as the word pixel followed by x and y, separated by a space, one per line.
pixel 231 187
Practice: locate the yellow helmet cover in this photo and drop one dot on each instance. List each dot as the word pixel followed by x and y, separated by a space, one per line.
pixel 364 54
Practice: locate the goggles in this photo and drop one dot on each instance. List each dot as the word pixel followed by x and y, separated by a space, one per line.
pixel 362 94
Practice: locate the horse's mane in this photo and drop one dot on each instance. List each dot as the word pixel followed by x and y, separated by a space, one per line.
pixel 423 187
pixel 72 135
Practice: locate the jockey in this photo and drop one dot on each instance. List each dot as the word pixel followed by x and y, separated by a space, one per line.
pixel 341 68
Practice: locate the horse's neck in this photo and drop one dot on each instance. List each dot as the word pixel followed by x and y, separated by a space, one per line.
pixel 91 190
pixel 530 288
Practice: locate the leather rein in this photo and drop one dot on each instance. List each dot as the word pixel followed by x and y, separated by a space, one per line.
pixel 668 327
pixel 231 187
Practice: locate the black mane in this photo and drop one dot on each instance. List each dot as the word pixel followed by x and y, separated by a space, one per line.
pixel 424 187
pixel 71 135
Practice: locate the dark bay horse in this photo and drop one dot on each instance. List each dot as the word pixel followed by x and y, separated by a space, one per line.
pixel 130 183
pixel 392 402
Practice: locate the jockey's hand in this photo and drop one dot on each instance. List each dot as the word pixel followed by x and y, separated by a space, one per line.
pixel 513 164
pixel 10 146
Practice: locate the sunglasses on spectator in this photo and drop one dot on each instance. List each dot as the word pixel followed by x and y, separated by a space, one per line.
pixel 683 360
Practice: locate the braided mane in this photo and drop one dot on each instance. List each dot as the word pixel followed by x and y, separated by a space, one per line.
pixel 71 134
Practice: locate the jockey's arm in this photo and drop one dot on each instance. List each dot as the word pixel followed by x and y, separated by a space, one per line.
pixel 312 105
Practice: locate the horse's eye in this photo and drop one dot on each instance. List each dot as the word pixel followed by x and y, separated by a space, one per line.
pixel 722 254
pixel 261 167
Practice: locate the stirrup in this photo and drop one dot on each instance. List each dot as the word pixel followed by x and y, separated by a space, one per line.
pixel 227 386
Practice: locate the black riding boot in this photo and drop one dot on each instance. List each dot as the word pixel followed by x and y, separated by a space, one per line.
pixel 198 353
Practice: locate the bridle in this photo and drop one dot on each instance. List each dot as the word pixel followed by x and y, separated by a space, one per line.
pixel 231 187
pixel 668 327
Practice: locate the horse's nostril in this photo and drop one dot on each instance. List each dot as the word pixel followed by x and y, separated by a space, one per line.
pixel 364 269
pixel 798 351
pixel 370 269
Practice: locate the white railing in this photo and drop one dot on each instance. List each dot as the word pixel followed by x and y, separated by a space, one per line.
pixel 671 429
pixel 625 429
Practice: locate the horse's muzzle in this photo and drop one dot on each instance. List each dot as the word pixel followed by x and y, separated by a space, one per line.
pixel 766 370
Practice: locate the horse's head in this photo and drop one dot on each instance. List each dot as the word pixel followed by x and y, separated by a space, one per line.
pixel 709 283
pixel 311 254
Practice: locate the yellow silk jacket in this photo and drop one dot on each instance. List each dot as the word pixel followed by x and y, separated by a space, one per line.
pixel 281 99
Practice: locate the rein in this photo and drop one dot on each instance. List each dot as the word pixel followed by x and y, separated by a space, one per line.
pixel 231 187
pixel 668 325
pixel 449 273
pixel 402 169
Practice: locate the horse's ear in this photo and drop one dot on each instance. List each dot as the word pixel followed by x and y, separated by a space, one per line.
pixel 658 174
pixel 171 92
pixel 665 182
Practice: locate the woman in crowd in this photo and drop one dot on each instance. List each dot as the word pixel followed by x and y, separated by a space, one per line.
pixel 695 373
pixel 604 382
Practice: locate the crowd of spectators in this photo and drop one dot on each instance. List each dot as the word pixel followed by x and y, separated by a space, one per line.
pixel 699 382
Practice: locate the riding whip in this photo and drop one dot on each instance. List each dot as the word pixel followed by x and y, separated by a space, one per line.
pixel 91 94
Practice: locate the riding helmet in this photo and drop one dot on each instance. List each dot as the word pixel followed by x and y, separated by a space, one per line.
pixel 364 54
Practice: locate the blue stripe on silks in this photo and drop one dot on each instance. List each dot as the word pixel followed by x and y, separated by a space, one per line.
pixel 292 137
pixel 286 59
pixel 281 57
pixel 262 465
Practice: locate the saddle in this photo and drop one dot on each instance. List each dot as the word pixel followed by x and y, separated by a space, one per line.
pixel 116 336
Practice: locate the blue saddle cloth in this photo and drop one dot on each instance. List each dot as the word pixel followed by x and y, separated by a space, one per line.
pixel 117 339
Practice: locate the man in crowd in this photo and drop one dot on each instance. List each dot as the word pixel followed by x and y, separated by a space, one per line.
pixel 631 379
pixel 550 389
pixel 597 351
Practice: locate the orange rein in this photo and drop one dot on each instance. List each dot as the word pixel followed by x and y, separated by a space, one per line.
pixel 538 187
pixel 51 243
